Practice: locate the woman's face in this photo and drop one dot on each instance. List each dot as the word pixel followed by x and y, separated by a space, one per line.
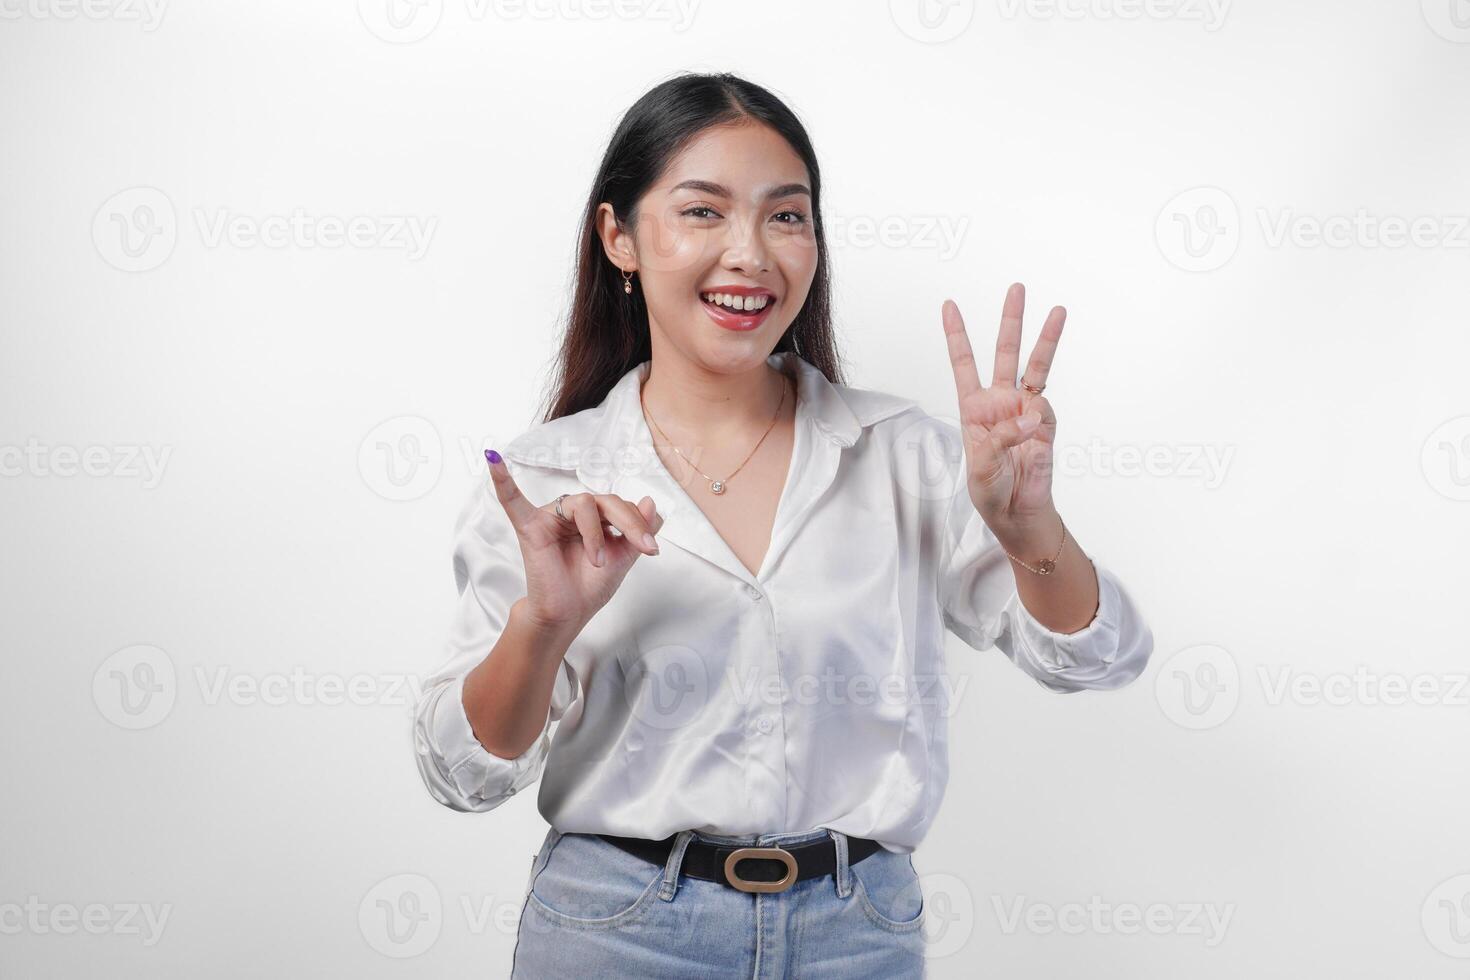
pixel 732 214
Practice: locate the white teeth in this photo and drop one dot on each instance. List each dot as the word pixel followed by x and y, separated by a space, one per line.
pixel 742 303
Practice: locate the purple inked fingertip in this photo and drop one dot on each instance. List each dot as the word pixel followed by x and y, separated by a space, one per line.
pixel 491 456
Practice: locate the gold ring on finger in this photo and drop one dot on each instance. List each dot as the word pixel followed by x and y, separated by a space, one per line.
pixel 1032 388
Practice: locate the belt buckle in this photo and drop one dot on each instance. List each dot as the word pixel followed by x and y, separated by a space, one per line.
pixel 745 885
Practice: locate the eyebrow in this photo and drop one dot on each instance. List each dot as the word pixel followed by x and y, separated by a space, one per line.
pixel 720 190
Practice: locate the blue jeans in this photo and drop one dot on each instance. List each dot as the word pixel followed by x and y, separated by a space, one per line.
pixel 594 910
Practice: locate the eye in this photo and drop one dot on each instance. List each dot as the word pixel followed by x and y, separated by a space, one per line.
pixel 797 217
pixel 698 207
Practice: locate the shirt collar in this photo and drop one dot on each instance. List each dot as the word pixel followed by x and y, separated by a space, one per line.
pixel 591 440
pixel 611 449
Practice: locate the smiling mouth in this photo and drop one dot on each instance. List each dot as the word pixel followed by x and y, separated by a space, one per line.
pixel 741 305
pixel 742 319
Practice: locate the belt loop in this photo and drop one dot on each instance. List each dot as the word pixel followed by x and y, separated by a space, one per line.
pixel 671 866
pixel 844 885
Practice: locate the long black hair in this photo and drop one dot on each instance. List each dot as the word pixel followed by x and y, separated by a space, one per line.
pixel 607 330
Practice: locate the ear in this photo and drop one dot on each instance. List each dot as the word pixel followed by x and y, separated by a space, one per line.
pixel 617 241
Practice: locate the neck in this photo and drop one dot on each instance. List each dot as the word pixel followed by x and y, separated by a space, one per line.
pixel 692 404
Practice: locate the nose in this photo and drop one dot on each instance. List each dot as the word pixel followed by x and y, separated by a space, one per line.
pixel 747 251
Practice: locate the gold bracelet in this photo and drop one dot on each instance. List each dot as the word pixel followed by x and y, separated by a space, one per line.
pixel 1047 565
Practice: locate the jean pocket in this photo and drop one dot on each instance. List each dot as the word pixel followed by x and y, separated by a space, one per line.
pixel 887 887
pixel 587 883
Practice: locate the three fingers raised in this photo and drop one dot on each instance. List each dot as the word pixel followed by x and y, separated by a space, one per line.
pixel 1007 345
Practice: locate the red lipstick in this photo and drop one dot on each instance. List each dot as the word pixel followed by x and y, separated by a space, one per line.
pixel 732 319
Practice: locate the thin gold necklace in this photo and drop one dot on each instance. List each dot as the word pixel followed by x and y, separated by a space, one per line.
pixel 716 486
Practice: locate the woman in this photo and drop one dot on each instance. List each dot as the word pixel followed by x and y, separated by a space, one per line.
pixel 726 575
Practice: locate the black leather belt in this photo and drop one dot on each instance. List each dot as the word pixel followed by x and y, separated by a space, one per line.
pixel 762 869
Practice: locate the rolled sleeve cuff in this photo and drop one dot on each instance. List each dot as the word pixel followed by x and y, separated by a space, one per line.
pixel 474 777
pixel 1083 657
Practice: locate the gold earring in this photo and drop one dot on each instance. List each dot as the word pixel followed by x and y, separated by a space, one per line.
pixel 628 282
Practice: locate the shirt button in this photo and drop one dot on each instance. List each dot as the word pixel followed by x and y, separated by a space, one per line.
pixel 765 724
pixel 753 592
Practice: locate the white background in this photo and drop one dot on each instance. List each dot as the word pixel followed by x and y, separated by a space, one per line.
pixel 315 416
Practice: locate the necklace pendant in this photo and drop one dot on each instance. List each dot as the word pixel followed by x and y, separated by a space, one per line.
pixel 1046 566
pixel 717 486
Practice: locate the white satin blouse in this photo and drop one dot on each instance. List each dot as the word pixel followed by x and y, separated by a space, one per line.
pixel 812 694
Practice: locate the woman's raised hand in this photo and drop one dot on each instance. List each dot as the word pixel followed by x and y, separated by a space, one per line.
pixel 1007 431
pixel 573 567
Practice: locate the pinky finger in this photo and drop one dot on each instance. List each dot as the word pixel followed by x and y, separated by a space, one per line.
pixel 1011 432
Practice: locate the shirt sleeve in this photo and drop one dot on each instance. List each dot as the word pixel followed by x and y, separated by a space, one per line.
pixel 980 604
pixel 489 574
